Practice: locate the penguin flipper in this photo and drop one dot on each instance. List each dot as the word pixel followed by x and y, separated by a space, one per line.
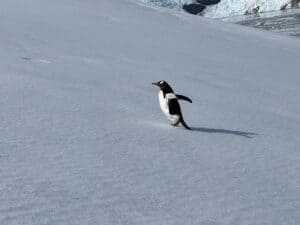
pixel 182 97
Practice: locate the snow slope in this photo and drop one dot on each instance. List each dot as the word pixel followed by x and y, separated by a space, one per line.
pixel 82 138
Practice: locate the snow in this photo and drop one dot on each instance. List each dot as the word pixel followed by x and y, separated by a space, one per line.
pixel 82 138
pixel 228 8
pixel 168 3
pixel 225 8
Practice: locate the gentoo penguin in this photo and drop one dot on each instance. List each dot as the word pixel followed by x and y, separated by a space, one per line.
pixel 169 104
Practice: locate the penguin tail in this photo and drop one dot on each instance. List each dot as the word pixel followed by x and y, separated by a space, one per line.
pixel 184 124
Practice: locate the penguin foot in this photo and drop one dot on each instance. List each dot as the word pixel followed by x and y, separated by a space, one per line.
pixel 175 124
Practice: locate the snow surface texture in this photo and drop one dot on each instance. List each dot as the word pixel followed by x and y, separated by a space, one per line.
pixel 82 138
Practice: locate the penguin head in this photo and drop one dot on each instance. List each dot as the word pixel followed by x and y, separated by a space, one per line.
pixel 164 86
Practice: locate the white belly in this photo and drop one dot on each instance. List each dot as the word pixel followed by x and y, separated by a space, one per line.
pixel 163 102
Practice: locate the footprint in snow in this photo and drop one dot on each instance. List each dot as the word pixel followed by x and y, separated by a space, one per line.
pixel 38 60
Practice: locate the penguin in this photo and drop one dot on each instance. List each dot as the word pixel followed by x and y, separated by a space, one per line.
pixel 169 104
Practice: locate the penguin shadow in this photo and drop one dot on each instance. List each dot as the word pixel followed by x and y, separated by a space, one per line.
pixel 224 131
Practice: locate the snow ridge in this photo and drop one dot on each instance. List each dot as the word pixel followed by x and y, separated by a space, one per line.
pixel 167 3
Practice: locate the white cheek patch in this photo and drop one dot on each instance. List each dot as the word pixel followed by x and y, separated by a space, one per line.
pixel 170 96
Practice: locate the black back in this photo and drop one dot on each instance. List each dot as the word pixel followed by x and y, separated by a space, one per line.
pixel 174 107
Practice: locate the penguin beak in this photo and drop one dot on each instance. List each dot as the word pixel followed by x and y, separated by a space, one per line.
pixel 156 84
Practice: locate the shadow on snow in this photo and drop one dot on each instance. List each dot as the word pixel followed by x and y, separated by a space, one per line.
pixel 224 131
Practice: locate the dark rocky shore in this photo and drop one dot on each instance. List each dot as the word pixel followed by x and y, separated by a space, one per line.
pixel 199 6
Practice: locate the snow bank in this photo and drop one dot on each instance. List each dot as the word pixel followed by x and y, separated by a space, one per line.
pixel 228 8
pixel 167 3
pixel 225 8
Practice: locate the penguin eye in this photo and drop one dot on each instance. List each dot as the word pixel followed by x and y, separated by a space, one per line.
pixel 161 82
